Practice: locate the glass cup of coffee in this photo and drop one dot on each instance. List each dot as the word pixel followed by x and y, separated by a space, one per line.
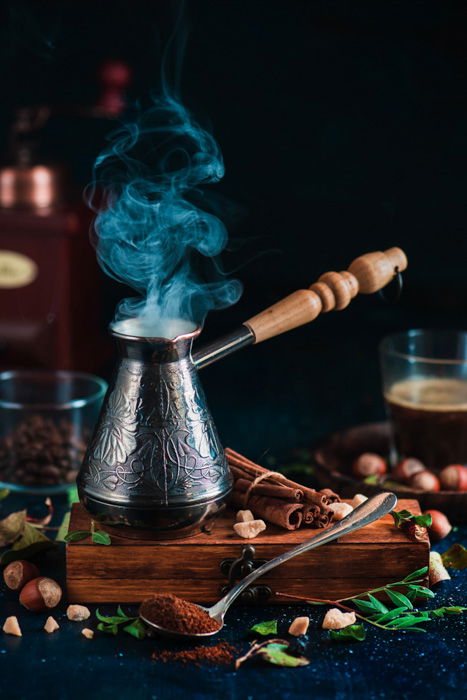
pixel 425 390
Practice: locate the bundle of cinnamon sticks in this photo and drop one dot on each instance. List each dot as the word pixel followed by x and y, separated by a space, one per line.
pixel 273 497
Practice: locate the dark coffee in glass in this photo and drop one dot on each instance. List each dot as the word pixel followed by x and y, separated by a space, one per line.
pixel 429 420
pixel 425 389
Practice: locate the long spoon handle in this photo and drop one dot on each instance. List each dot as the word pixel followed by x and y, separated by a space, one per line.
pixel 369 511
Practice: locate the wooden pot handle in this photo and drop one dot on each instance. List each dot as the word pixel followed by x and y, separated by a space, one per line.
pixel 333 290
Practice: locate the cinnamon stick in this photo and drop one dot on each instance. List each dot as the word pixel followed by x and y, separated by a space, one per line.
pixel 252 470
pixel 265 489
pixel 275 510
pixel 331 496
pixel 310 513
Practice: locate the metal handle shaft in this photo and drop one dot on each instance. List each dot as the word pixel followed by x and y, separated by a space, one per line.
pixel 369 511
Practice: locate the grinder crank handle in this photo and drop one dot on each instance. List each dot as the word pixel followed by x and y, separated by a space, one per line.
pixel 333 290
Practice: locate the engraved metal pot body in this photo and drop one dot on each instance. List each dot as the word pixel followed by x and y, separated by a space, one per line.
pixel 155 461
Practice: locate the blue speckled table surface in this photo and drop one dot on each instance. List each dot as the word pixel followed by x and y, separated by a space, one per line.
pixel 386 665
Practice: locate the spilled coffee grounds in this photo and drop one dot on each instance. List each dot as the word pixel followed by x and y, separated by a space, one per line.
pixel 220 654
pixel 177 615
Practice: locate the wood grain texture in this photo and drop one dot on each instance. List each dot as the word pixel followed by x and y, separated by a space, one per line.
pixel 209 591
pixel 295 310
pixel 333 290
pixel 129 570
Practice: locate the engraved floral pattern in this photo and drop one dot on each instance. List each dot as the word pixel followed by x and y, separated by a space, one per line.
pixel 156 437
pixel 117 434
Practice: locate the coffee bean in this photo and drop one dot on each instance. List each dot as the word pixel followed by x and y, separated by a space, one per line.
pixel 39 452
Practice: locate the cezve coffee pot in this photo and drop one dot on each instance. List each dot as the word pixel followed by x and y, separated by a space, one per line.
pixel 155 462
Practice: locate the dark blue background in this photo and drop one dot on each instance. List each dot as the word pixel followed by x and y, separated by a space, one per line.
pixel 343 130
pixel 407 666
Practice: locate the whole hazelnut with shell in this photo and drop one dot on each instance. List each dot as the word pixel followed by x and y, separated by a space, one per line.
pixel 40 594
pixel 17 573
pixel 440 525
pixel 425 481
pixel 368 464
pixel 406 469
pixel 454 478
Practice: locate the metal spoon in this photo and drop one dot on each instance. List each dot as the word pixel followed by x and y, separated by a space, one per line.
pixel 369 511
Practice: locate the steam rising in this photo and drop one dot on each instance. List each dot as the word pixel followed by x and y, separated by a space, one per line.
pixel 154 231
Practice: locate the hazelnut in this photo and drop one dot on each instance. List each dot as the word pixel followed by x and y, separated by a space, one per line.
pixel 299 626
pixel 11 626
pixel 437 571
pixel 440 525
pixel 77 613
pixel 86 632
pixel 40 594
pixel 454 478
pixel 367 464
pixel 425 481
pixel 250 529
pixel 51 625
pixel 336 620
pixel 18 573
pixel 407 468
pixel 340 510
pixel 244 516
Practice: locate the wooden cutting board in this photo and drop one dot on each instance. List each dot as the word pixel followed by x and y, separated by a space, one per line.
pixel 195 568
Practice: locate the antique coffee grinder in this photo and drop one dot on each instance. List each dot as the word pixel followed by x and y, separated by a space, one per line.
pixel 48 316
pixel 155 462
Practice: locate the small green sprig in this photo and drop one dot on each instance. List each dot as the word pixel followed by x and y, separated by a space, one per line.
pixel 112 624
pixel 97 536
pixel 404 517
pixel 401 615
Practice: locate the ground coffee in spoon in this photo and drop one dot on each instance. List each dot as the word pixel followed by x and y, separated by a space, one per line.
pixel 177 615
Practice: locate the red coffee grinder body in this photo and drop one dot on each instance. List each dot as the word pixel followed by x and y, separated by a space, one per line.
pixel 49 278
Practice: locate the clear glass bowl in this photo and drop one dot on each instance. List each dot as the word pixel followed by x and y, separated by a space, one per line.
pixel 46 421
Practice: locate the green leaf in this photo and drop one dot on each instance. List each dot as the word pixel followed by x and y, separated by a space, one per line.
pixel 415 629
pixel 101 537
pixel 401 516
pixel 63 529
pixel 348 634
pixel 12 527
pixel 136 629
pixel 277 654
pixel 120 611
pixel 416 574
pixel 390 615
pixel 423 520
pixel 451 610
pixel 264 628
pixel 371 479
pixel 113 619
pixel 366 606
pixel 455 557
pixel 411 595
pixel 408 621
pixel 72 495
pixel 108 629
pixel 76 535
pixel 377 604
pixel 4 493
pixel 399 598
pixel 422 591
pixel 31 542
